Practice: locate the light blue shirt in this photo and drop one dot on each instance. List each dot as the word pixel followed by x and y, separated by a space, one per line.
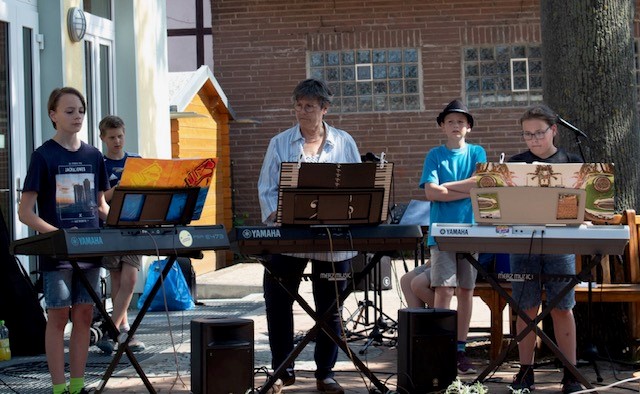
pixel 446 165
pixel 287 146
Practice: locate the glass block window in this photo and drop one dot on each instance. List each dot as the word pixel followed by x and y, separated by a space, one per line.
pixel 502 76
pixel 370 80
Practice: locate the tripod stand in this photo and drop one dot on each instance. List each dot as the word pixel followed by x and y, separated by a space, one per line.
pixel 378 323
pixel 590 351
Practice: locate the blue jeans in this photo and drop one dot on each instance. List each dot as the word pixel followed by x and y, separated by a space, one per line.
pixel 63 288
pixel 279 307
pixel 528 294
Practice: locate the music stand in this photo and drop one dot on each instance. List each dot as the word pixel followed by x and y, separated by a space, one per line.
pixel 333 193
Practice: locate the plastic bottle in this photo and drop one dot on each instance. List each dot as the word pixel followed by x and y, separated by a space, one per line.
pixel 5 350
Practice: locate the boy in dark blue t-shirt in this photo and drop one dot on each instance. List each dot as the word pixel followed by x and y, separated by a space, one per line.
pixel 123 269
pixel 66 180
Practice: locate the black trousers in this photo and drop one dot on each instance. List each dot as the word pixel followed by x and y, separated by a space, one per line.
pixel 279 306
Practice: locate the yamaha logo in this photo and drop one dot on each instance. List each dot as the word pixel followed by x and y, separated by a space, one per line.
pixel 185 238
pixel 442 231
pixel 246 233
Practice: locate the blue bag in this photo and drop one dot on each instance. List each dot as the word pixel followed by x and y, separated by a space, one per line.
pixel 175 287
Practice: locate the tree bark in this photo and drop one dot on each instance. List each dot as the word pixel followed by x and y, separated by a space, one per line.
pixel 589 80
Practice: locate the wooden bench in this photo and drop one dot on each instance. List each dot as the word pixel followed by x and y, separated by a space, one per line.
pixel 617 286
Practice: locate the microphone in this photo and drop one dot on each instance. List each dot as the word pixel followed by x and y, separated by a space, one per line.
pixel 572 127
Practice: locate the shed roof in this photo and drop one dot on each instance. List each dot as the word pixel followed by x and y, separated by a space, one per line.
pixel 183 86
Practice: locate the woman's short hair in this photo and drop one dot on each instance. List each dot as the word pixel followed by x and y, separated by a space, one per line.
pixel 313 89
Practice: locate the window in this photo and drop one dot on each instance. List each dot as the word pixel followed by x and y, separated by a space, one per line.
pixel 99 80
pixel 370 80
pixel 502 76
pixel 101 8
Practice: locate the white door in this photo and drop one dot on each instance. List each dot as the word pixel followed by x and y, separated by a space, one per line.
pixel 20 107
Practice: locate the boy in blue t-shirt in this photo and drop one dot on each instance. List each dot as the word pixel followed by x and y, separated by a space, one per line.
pixel 123 269
pixel 66 179
pixel 447 177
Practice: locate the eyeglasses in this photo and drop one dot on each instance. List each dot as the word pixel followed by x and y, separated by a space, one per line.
pixel 308 108
pixel 538 134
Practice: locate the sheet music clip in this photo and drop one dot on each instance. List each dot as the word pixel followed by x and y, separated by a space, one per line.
pixel 382 159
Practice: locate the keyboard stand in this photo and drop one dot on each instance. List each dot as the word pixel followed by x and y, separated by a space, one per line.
pixel 532 325
pixel 320 324
pixel 114 332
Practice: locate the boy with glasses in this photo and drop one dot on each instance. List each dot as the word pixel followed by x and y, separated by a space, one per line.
pixel 539 127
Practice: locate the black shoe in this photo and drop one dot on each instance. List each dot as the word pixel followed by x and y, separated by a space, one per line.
pixel 329 385
pixel 523 379
pixel 106 344
pixel 289 378
pixel 570 385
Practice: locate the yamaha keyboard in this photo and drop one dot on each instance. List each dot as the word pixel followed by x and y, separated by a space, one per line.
pixel 82 243
pixel 269 240
pixel 550 239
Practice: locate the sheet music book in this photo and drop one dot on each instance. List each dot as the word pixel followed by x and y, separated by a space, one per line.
pixel 338 176
pixel 171 173
pixel 539 180
pixel 333 193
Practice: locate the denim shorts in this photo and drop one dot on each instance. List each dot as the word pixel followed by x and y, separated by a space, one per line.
pixel 451 269
pixel 528 294
pixel 63 288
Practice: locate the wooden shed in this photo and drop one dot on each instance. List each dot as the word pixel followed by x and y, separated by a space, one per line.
pixel 200 115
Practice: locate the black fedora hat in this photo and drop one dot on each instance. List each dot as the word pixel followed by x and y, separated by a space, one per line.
pixel 455 106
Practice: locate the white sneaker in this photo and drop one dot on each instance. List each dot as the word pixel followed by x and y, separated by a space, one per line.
pixel 135 345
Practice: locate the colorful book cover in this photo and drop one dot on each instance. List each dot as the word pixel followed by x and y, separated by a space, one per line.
pixel 597 179
pixel 143 172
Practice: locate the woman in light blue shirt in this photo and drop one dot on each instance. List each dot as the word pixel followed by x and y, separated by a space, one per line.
pixel 313 141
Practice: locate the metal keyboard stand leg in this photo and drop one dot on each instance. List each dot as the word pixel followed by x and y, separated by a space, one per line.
pixel 136 323
pixel 532 325
pixel 320 324
pixel 114 332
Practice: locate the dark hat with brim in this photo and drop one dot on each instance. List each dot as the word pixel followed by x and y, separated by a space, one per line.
pixel 455 106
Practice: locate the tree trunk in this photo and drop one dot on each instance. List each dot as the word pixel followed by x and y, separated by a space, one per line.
pixel 589 80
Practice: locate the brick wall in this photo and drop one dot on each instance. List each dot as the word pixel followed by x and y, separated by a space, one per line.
pixel 259 55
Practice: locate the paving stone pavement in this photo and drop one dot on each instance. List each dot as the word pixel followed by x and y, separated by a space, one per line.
pixel 167 360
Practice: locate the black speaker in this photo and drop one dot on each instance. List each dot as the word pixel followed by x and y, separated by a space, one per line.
pixel 384 267
pixel 426 349
pixel 221 356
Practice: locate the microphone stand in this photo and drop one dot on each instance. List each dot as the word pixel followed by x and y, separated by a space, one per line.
pixel 577 132
pixel 590 351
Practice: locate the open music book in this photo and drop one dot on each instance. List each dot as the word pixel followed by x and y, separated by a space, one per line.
pixel 334 193
pixel 547 193
pixel 148 174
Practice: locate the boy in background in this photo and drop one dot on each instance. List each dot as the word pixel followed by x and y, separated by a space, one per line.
pixel 447 178
pixel 123 269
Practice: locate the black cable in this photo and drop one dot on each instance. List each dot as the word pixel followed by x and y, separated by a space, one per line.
pixel 7 385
